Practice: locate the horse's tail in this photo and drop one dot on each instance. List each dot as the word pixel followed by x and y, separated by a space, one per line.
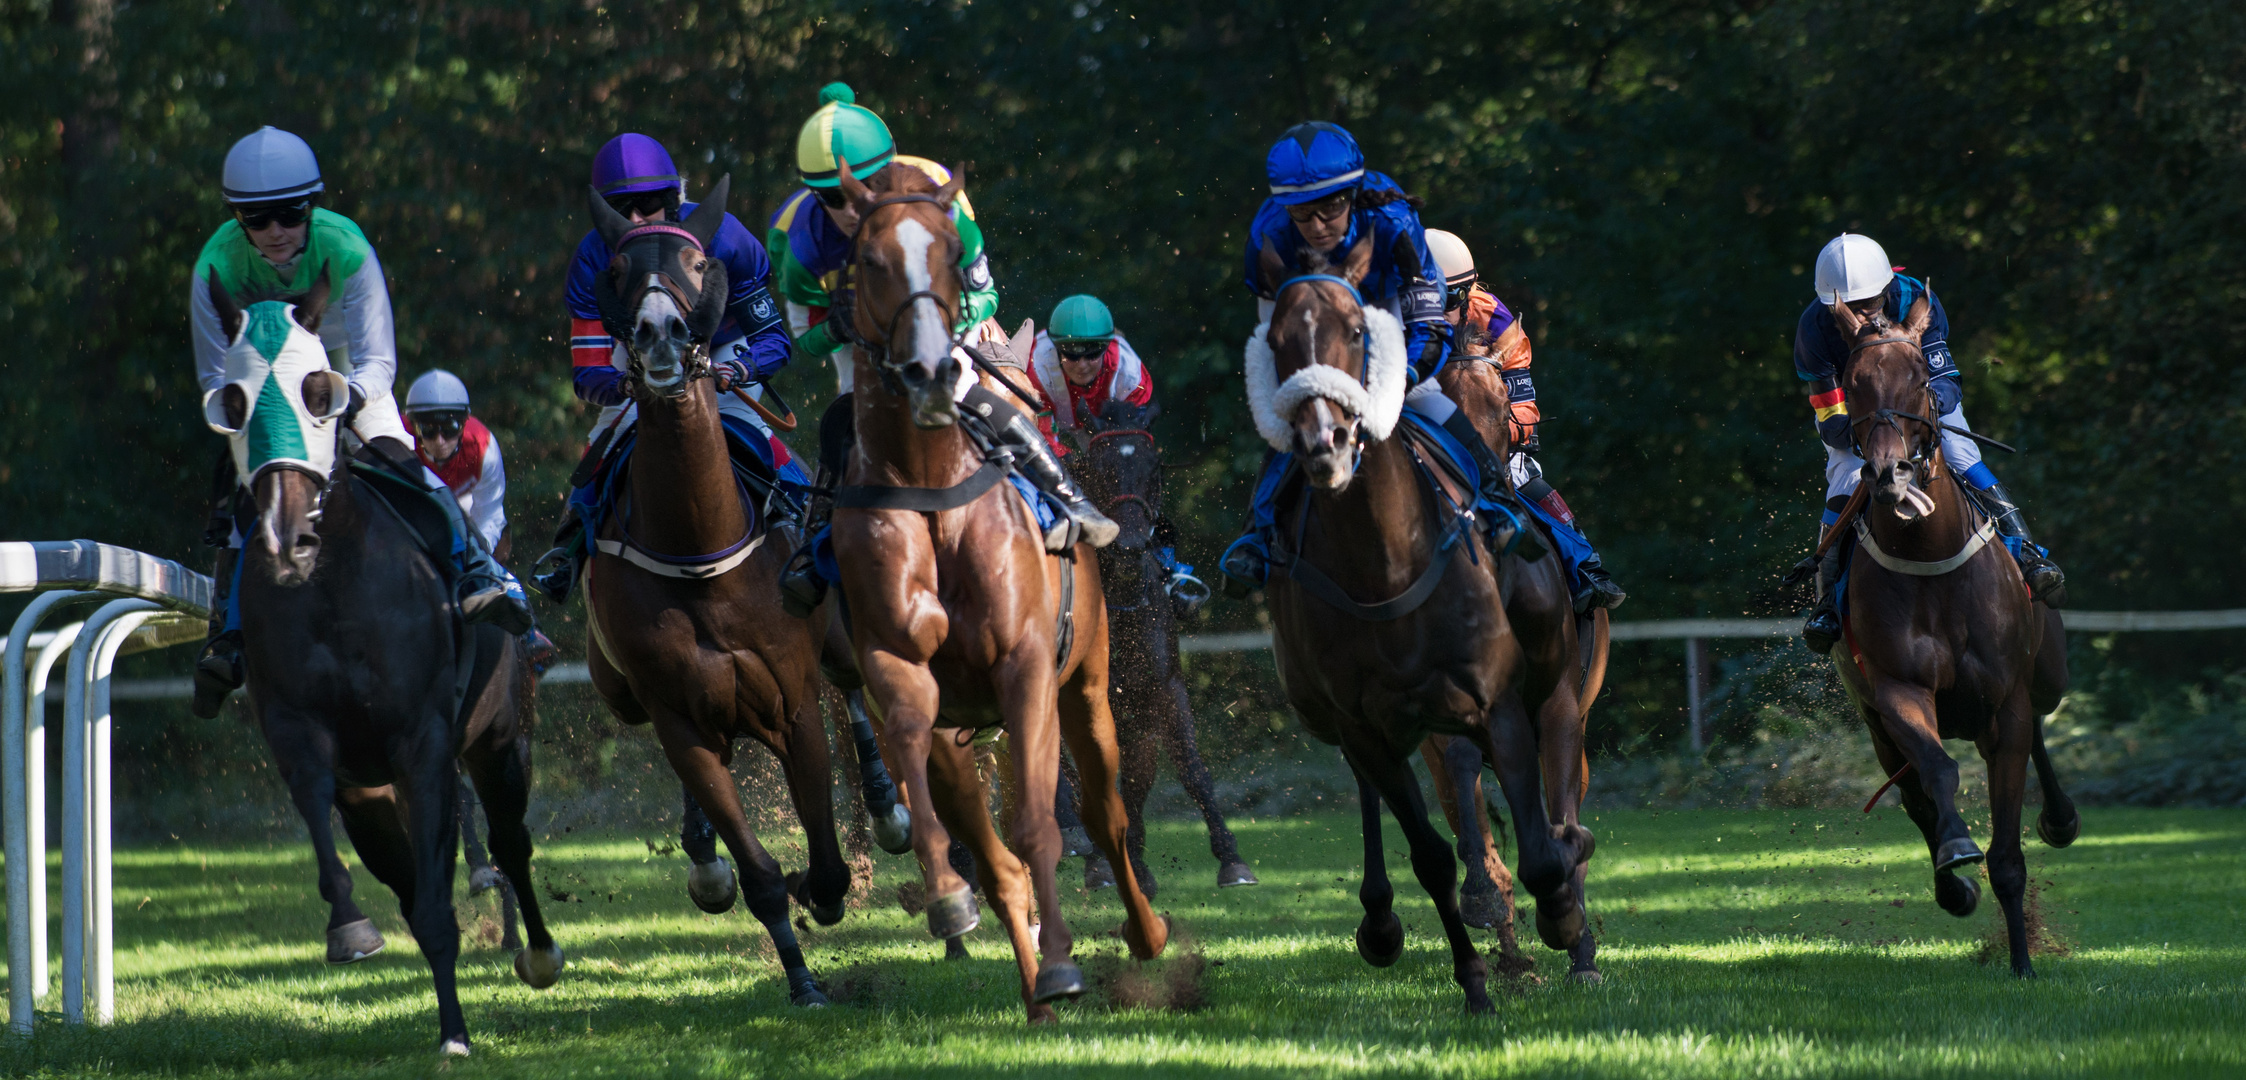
pixel 1593 639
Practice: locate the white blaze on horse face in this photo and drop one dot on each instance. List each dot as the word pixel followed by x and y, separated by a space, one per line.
pixel 930 339
pixel 662 363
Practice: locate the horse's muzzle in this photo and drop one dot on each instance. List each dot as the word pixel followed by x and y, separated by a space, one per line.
pixel 287 524
pixel 1325 442
pixel 928 390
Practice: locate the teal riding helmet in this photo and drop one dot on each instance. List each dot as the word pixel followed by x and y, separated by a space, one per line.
pixel 1081 318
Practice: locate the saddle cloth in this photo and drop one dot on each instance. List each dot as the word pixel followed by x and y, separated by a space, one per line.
pixel 761 463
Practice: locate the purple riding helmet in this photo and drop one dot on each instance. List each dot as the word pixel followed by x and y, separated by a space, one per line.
pixel 632 163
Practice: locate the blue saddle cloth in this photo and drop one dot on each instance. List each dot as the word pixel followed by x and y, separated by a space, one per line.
pixel 1047 508
pixel 750 450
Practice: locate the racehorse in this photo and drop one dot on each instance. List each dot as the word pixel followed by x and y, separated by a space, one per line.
pixel 1941 639
pixel 961 622
pixel 1121 468
pixel 364 680
pixel 1436 654
pixel 687 633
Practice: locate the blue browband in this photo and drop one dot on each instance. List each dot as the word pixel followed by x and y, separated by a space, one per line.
pixel 1343 282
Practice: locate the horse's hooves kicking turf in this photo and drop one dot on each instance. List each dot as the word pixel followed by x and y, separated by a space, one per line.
pixel 1057 979
pixel 824 914
pixel 1957 895
pixel 956 949
pixel 712 886
pixel 894 832
pixel 954 914
pixel 354 941
pixel 803 990
pixel 540 968
pixel 1383 944
pixel 2060 835
pixel 1563 932
pixel 1097 873
pixel 1235 873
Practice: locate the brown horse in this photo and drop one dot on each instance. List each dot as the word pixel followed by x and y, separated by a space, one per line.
pixel 1121 467
pixel 1433 652
pixel 687 631
pixel 961 621
pixel 1942 641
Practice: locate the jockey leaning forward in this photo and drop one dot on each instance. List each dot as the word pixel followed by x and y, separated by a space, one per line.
pixel 810 241
pixel 1854 270
pixel 1081 363
pixel 1323 202
pixel 464 454
pixel 278 238
pixel 1484 328
pixel 637 178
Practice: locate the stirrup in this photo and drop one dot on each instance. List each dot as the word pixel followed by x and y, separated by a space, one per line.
pixel 486 599
pixel 1821 631
pixel 557 582
pixel 1599 592
pixel 218 673
pixel 802 587
pixel 1245 568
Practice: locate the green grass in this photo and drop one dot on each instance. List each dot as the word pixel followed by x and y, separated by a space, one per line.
pixel 1749 943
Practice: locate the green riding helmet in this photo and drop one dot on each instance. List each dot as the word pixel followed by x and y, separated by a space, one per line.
pixel 1081 318
pixel 841 129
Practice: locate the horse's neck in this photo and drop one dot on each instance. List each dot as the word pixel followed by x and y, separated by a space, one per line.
pixel 1376 529
pixel 684 500
pixel 893 452
pixel 1940 534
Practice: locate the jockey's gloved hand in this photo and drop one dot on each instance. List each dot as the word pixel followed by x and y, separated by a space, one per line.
pixel 1800 573
pixel 729 374
pixel 358 401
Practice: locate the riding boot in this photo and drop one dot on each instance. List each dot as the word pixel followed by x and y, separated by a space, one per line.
pixel 2046 582
pixel 486 592
pixel 1599 588
pixel 1495 488
pixel 219 669
pixel 1821 631
pixel 802 587
pixel 1035 460
pixel 567 558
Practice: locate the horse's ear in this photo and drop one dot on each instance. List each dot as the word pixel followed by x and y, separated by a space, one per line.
pixel 1272 267
pixel 1024 343
pixel 949 193
pixel 1851 324
pixel 1921 314
pixel 314 303
pixel 229 314
pixel 1358 262
pixel 852 188
pixel 606 221
pixel 710 213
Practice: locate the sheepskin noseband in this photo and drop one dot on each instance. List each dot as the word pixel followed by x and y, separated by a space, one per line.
pixel 1376 402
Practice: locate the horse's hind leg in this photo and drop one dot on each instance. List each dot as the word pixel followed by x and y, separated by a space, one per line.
pixel 1456 766
pixel 502 777
pixel 2058 825
pixel 1904 725
pixel 1137 745
pixel 1185 757
pixel 1380 934
pixel 1547 862
pixel 1089 728
pixel 2005 750
pixel 430 778
pixel 1432 863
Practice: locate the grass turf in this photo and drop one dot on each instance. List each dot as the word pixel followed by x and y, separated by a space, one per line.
pixel 1749 943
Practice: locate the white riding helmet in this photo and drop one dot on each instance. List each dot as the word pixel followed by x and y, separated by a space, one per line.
pixel 1451 256
pixel 437 391
pixel 268 165
pixel 1852 267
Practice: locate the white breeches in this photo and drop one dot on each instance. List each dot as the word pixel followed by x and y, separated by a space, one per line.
pixel 379 418
pixel 1844 470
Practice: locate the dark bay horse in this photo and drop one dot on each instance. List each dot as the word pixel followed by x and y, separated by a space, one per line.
pixel 687 633
pixel 1121 468
pixel 961 622
pixel 365 682
pixel 1941 639
pixel 1387 621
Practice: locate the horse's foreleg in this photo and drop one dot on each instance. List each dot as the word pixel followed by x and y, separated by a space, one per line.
pixel 1560 739
pixel 1380 934
pixel 307 763
pixel 1906 715
pixel 2005 750
pixel 810 772
pixel 906 696
pixel 2059 823
pixel 1175 712
pixel 959 797
pixel 1090 730
pixel 502 778
pixel 1432 863
pixel 1549 857
pixel 1456 766
pixel 431 779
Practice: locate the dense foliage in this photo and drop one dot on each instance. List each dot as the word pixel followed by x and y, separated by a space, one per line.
pixel 1647 182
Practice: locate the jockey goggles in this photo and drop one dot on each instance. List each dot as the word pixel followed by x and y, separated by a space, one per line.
pixel 831 197
pixel 287 215
pixel 1080 350
pixel 446 424
pixel 1454 296
pixel 651 205
pixel 1325 209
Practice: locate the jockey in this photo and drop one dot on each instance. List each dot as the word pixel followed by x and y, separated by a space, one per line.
pixel 272 183
pixel 1483 327
pixel 1854 270
pixel 1323 202
pixel 635 174
pixel 810 243
pixel 1081 363
pixel 462 452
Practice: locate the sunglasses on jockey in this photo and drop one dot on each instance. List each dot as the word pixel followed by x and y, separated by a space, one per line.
pixel 1326 209
pixel 651 205
pixel 287 215
pixel 1080 351
pixel 444 424
pixel 1456 292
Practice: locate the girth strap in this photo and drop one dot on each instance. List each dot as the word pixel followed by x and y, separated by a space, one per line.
pixel 1396 607
pixel 1973 546
pixel 919 499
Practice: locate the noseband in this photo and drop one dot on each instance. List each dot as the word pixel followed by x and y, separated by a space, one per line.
pixel 696 359
pixel 1922 449
pixel 878 351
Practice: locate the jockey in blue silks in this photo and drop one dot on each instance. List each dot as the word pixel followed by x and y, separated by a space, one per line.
pixel 1854 270
pixel 1323 202
pixel 635 174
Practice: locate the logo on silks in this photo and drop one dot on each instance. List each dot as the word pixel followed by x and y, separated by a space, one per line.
pixel 271 366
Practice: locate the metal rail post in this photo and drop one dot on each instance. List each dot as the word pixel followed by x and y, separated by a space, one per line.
pixel 23 804
pixel 1696 663
pixel 88 916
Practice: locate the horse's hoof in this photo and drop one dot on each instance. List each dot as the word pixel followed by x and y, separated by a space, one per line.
pixel 1955 853
pixel 1057 979
pixel 1957 895
pixel 483 879
pixel 1478 1002
pixel 1097 873
pixel 823 914
pixel 457 1046
pixel 540 968
pixel 353 942
pixel 803 990
pixel 1043 1016
pixel 1559 932
pixel 1144 945
pixel 1383 944
pixel 1234 874
pixel 953 914
pixel 2061 835
pixel 956 949
pixel 1479 907
pixel 712 886
pixel 893 831
pixel 1075 841
pixel 1586 977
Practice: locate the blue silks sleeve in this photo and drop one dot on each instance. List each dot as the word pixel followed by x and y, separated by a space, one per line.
pixel 603 386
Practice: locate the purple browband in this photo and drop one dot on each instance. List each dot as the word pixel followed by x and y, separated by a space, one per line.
pixel 658 227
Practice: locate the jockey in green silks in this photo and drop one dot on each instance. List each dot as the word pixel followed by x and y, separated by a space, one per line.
pixel 278 238
pixel 810 243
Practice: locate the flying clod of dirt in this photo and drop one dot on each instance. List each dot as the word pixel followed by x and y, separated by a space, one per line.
pixel 1171 982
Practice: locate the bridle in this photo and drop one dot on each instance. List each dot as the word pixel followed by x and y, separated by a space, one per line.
pixel 1114 554
pixel 696 357
pixel 878 351
pixel 1922 448
pixel 1358 441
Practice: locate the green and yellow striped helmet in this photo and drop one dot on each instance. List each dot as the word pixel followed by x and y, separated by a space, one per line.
pixel 841 129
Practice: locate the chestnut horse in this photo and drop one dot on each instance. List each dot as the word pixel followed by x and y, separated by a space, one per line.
pixel 1433 651
pixel 364 681
pixel 1942 640
pixel 955 610
pixel 687 633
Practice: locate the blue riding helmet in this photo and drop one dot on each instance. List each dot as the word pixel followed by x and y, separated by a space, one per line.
pixel 1311 161
pixel 632 163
